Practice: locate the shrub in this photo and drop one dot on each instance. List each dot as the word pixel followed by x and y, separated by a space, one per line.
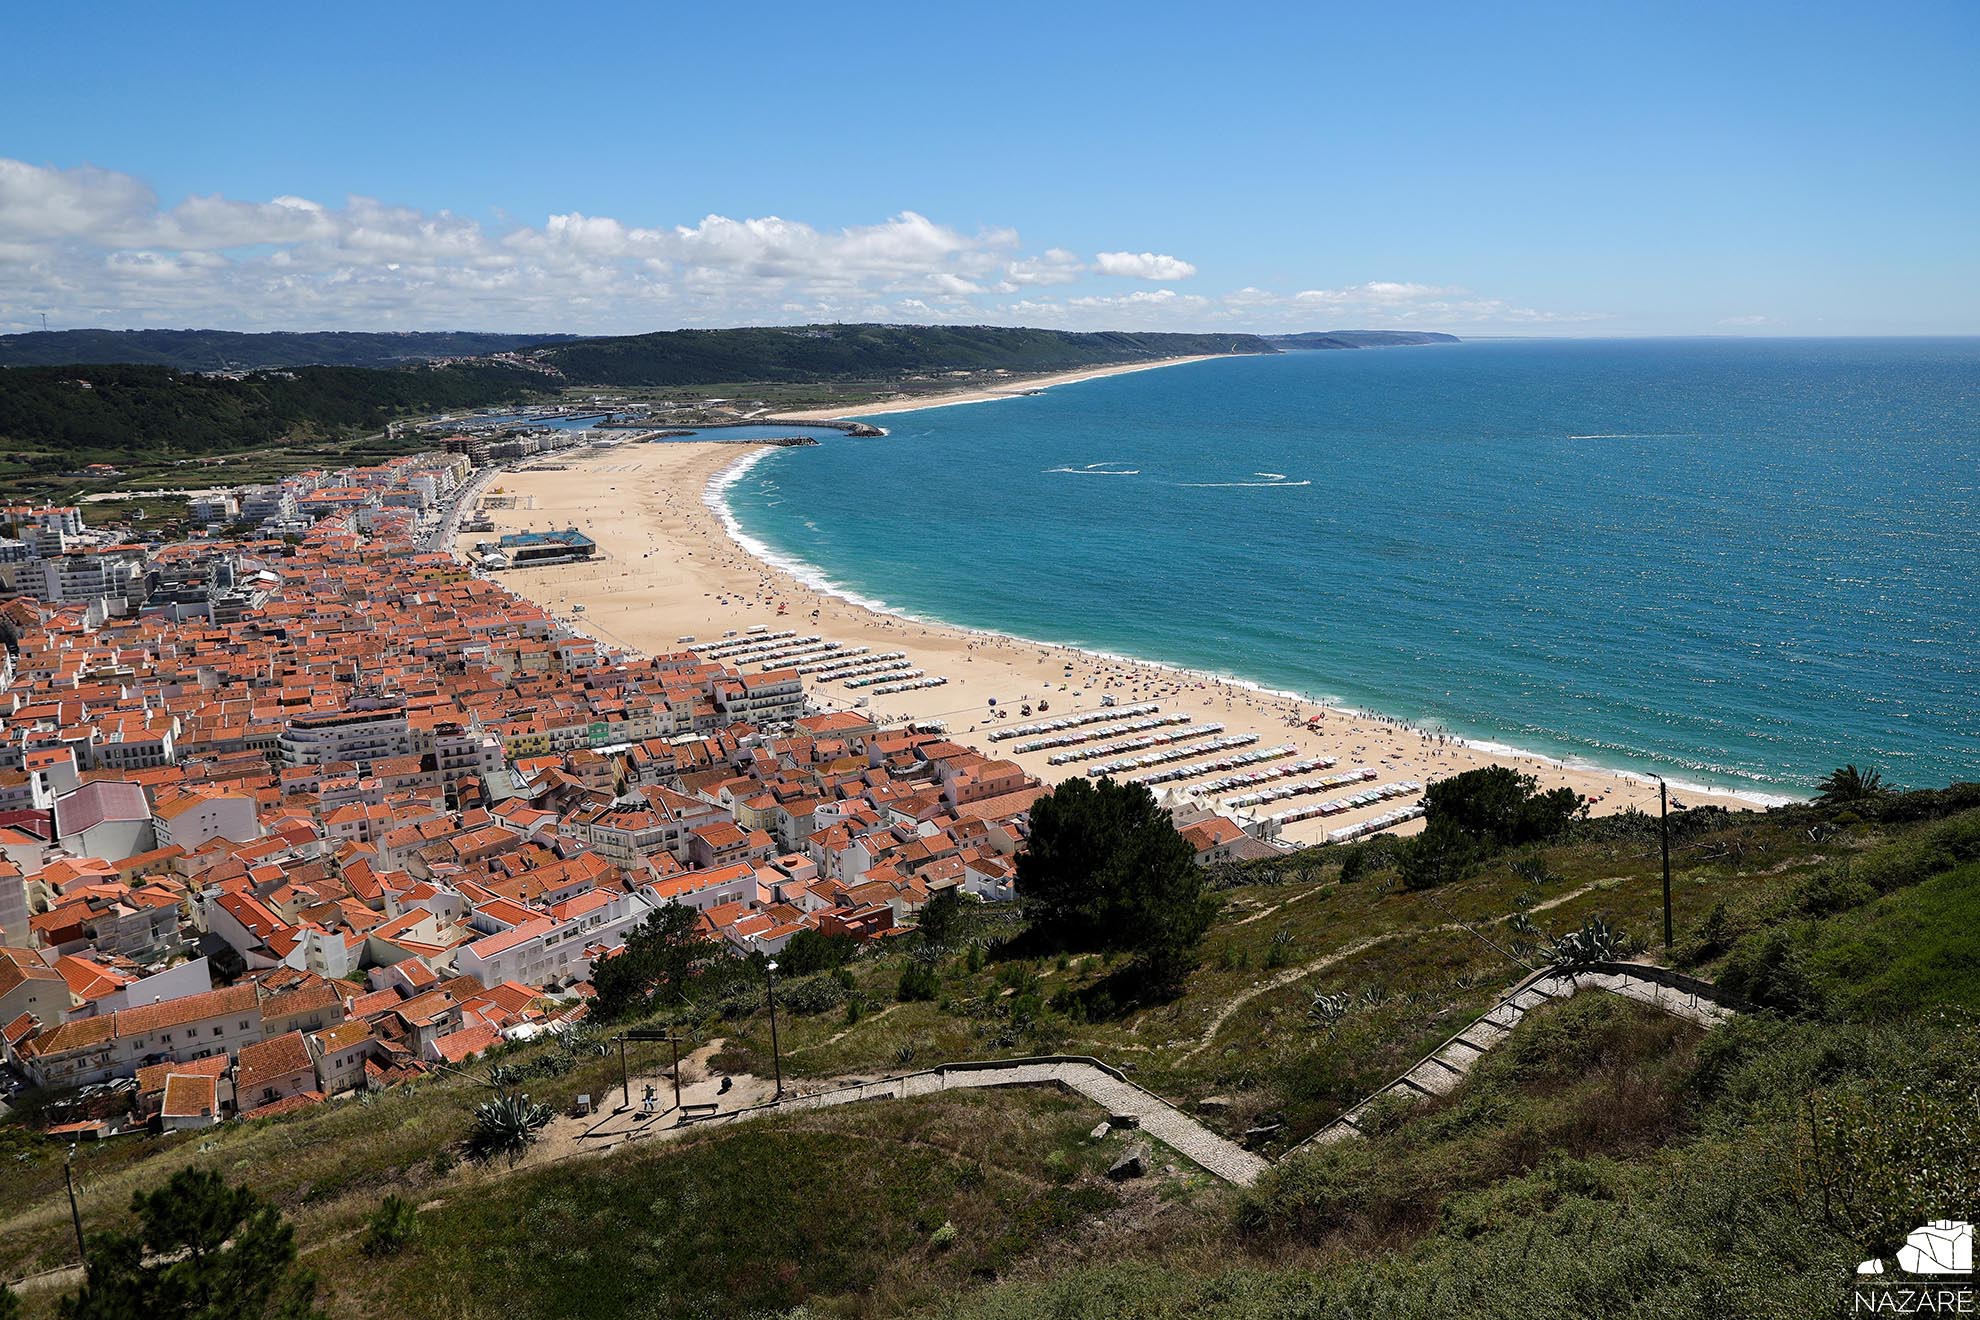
pixel 1441 855
pixel 813 994
pixel 391 1226
pixel 1770 968
pixel 918 982
pixel 1596 941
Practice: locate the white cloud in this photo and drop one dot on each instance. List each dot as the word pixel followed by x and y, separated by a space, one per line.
pixel 1747 322
pixel 1143 266
pixel 93 247
pixel 1057 266
pixel 1392 304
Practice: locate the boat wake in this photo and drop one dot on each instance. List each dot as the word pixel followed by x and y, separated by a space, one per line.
pixel 1271 479
pixel 1111 468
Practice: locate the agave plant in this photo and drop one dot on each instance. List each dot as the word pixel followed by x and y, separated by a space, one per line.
pixel 1533 870
pixel 904 1055
pixel 507 1125
pixel 1596 941
pixel 1326 1011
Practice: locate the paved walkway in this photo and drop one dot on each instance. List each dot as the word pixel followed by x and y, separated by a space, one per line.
pixel 1088 1077
pixel 1437 1073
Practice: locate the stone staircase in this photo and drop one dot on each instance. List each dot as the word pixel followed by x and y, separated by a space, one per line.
pixel 1439 1071
pixel 1435 1074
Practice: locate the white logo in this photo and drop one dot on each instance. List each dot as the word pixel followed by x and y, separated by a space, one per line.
pixel 1944 1246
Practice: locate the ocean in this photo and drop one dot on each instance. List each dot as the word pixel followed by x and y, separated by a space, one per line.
pixel 1733 562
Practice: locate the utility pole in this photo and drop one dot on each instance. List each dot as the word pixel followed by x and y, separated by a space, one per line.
pixel 776 1059
pixel 75 1214
pixel 1664 829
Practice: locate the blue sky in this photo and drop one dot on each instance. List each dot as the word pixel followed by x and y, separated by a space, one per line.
pixel 1516 168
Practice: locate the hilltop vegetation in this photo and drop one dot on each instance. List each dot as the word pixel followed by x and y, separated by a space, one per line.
pixel 58 418
pixel 230 350
pixel 55 419
pixel 1333 339
pixel 826 352
pixel 1607 1160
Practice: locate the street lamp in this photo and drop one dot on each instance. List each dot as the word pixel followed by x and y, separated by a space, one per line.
pixel 75 1214
pixel 776 1060
pixel 1664 829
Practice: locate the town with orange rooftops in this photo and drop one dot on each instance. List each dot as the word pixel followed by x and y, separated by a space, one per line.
pixel 310 812
pixel 952 687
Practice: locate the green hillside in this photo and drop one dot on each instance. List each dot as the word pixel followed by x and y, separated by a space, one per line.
pixel 826 352
pixel 56 419
pixel 231 350
pixel 1606 1160
pixel 1335 339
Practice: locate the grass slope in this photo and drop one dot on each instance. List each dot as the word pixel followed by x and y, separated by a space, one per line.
pixel 839 1209
pixel 1606 1161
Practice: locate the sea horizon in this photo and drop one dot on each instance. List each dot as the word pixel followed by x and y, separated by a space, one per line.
pixel 748 494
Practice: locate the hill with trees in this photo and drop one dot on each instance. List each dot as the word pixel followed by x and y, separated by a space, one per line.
pixel 116 411
pixel 1329 339
pixel 233 350
pixel 68 416
pixel 867 352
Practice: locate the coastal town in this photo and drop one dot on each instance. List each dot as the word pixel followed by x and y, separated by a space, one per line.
pixel 319 799
pixel 626 701
pixel 313 811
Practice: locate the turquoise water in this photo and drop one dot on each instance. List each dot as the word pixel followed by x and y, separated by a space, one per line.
pixel 1734 562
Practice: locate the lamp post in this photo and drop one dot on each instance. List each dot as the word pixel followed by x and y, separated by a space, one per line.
pixel 776 1059
pixel 1664 829
pixel 625 1078
pixel 75 1214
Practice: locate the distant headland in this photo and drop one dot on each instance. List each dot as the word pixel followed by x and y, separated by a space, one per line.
pixel 1323 339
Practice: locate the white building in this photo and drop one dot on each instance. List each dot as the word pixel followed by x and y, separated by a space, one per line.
pixel 360 734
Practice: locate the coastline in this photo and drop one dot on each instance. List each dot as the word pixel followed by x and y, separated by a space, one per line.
pixel 810 576
pixel 1017 388
pixel 673 563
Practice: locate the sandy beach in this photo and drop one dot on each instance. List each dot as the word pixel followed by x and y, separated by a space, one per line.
pixel 667 569
pixel 1016 387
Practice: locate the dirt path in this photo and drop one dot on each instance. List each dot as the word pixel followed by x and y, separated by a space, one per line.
pixel 835 1039
pixel 1304 970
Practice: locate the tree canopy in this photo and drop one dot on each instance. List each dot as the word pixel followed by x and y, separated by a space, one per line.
pixel 1106 869
pixel 661 955
pixel 1500 807
pixel 1847 784
pixel 203 1250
